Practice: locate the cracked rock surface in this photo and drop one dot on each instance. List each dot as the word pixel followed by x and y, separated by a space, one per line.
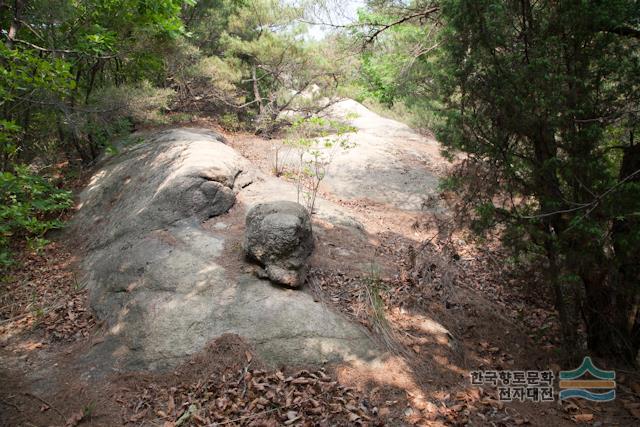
pixel 159 280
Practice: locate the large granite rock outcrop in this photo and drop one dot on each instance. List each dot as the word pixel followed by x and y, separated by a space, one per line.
pixel 160 281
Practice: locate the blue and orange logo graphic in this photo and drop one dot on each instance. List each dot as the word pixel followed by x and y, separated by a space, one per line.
pixel 572 386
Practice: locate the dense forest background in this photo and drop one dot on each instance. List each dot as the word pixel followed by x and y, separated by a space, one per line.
pixel 537 103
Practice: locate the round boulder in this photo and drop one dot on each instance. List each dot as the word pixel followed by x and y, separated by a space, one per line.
pixel 278 236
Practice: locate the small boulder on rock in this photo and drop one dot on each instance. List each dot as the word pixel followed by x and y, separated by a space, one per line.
pixel 279 236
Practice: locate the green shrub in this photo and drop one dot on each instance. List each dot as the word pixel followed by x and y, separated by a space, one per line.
pixel 30 206
pixel 230 122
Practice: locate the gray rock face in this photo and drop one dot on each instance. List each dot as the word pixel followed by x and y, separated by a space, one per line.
pixel 278 236
pixel 163 284
pixel 390 163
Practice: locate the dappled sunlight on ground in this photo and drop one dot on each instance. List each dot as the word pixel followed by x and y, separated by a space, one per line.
pixel 395 306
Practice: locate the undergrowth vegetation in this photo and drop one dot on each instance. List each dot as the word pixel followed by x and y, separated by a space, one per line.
pixel 30 206
pixel 311 157
pixel 75 76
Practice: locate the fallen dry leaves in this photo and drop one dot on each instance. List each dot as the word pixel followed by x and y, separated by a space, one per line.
pixel 41 293
pixel 255 398
pixel 582 418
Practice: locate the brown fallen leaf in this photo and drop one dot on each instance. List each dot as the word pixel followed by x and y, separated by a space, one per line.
pixel 74 419
pixel 630 405
pixel 461 395
pixel 171 405
pixel 582 418
pixel 570 406
pixel 140 415
pixel 635 412
pixel 493 402
pixel 354 417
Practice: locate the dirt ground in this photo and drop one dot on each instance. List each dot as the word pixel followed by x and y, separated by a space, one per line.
pixel 442 305
pixel 494 317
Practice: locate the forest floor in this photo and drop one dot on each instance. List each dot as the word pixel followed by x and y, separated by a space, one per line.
pixel 442 304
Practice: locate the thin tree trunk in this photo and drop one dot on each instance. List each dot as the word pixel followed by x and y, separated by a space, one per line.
pixel 626 289
pixel 548 192
pixel 565 303
pixel 256 90
pixel 92 79
pixel 72 139
pixel 14 27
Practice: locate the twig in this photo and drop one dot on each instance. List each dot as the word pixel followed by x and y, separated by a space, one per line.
pixel 424 14
pixel 46 310
pixel 67 51
pixel 592 204
pixel 57 411
pixel 22 316
pixel 246 417
pixel 257 414
pixel 11 404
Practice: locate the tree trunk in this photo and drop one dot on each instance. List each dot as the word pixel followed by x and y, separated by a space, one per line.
pixel 256 90
pixel 625 290
pixel 92 80
pixel 565 302
pixel 549 193
pixel 612 307
pixel 14 27
pixel 72 140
